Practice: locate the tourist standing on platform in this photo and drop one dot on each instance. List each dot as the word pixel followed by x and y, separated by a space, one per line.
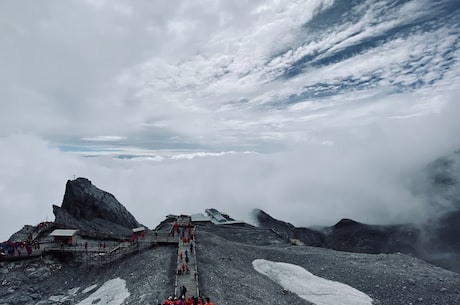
pixel 183 291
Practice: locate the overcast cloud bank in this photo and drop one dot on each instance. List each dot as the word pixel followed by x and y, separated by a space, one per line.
pixel 310 110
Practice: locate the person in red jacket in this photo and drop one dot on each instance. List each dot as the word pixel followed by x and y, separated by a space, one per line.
pixel 208 302
pixel 168 301
pixel 189 301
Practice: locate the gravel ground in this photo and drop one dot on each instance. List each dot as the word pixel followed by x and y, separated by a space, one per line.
pixel 225 256
pixel 148 274
pixel 389 279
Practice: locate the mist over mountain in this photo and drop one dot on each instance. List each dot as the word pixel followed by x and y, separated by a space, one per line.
pixel 275 263
pixel 439 183
pixel 323 106
pixel 335 121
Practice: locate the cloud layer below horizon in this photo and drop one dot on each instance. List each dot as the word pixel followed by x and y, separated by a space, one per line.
pixel 312 111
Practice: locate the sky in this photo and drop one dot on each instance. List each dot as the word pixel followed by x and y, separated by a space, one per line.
pixel 310 110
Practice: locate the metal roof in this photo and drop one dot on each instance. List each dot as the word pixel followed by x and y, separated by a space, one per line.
pixel 139 229
pixel 63 233
pixel 215 215
pixel 200 218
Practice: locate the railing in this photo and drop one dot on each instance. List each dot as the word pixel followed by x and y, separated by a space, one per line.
pixel 95 255
pixel 196 264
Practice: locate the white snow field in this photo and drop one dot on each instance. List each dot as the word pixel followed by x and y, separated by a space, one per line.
pixel 309 286
pixel 113 292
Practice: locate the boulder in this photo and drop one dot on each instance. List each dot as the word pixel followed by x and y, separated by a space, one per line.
pixel 89 208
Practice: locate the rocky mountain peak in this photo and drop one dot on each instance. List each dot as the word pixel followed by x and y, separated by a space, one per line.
pixel 265 220
pixel 85 206
pixel 346 222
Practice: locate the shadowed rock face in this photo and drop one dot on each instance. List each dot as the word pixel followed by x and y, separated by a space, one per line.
pixel 348 235
pixel 352 236
pixel 86 207
pixel 288 231
pixel 225 257
pixel 436 243
pixel 442 181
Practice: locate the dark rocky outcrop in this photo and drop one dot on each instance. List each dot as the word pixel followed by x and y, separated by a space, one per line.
pixel 352 236
pixel 225 256
pixel 288 231
pixel 448 230
pixel 22 234
pixel 441 242
pixel 439 183
pixel 89 209
pixel 438 243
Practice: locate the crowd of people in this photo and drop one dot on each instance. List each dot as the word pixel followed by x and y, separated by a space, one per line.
pixel 27 246
pixel 186 237
pixel 184 231
pixel 187 301
pixel 186 234
pixel 18 248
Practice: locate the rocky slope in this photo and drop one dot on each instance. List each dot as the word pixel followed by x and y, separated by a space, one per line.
pixel 436 243
pixel 88 208
pixel 225 253
pixel 387 278
pixel 225 256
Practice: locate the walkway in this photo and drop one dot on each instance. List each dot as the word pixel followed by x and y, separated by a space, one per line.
pixel 187 271
pixel 93 252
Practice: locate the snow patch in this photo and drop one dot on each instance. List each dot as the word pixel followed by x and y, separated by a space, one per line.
pixel 73 291
pixel 309 286
pixel 58 298
pixel 90 288
pixel 113 292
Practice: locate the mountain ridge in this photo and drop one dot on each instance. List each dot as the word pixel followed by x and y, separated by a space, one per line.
pixel 225 256
pixel 88 208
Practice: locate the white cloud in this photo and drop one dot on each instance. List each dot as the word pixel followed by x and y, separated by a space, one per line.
pixel 168 81
pixel 364 175
pixel 105 138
